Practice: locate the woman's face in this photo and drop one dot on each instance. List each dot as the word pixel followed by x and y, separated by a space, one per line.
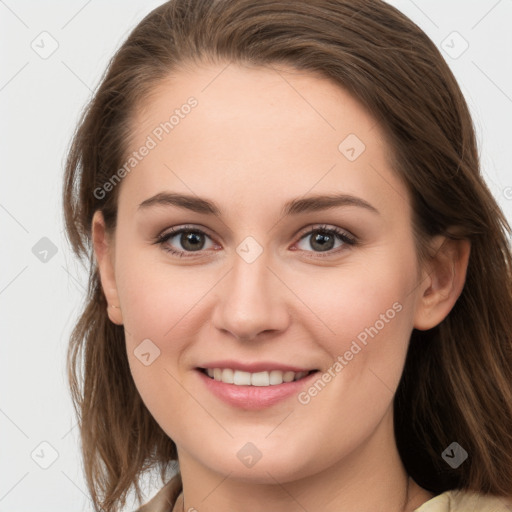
pixel 282 157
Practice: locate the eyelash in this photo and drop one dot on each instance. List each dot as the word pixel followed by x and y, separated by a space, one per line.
pixel 340 234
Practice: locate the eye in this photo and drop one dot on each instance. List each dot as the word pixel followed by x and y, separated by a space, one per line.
pixel 190 238
pixel 324 239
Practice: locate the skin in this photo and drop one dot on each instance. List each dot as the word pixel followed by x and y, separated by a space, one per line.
pixel 258 138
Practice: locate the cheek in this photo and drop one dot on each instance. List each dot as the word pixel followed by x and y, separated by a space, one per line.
pixel 157 298
pixel 366 310
pixel 158 318
pixel 158 306
pixel 366 313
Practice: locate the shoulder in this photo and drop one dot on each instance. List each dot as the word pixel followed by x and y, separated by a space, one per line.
pixel 165 498
pixel 450 501
pixel 463 500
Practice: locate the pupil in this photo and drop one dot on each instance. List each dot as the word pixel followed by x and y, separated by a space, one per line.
pixel 323 239
pixel 189 241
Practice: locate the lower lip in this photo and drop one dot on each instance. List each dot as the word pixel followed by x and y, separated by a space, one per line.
pixel 254 397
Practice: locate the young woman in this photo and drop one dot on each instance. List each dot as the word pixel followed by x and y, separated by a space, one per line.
pixel 300 285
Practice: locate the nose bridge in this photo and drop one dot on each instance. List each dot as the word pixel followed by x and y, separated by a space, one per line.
pixel 251 299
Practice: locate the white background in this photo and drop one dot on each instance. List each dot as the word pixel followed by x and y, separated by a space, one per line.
pixel 40 101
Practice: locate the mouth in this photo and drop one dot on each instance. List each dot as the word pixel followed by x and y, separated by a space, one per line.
pixel 258 379
pixel 255 390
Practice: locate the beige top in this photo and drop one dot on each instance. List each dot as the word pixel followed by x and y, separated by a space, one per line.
pixel 449 501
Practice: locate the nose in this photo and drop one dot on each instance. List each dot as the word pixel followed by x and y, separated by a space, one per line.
pixel 251 300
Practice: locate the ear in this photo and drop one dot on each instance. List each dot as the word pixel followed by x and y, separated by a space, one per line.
pixel 104 252
pixel 443 280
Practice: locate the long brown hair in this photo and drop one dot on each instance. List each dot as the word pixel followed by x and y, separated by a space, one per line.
pixel 457 381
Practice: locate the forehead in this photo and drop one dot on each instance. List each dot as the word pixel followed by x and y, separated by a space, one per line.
pixel 265 100
pixel 245 133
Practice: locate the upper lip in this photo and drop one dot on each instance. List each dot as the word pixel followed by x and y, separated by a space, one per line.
pixel 254 367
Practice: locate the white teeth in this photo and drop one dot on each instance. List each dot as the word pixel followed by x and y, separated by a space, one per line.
pixel 260 379
pixel 240 378
pixel 227 376
pixel 275 377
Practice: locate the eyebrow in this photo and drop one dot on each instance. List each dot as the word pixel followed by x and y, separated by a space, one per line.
pixel 293 207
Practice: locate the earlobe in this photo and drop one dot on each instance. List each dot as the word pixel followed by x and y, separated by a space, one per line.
pixel 443 282
pixel 104 252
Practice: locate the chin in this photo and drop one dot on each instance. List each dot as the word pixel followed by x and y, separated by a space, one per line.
pixel 271 466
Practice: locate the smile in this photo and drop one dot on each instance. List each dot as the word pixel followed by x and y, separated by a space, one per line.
pixel 254 390
pixel 264 378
